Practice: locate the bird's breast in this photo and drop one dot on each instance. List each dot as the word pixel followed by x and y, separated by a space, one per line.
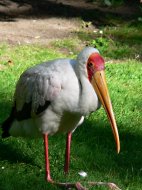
pixel 69 121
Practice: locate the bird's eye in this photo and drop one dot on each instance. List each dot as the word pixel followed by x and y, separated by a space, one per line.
pixel 90 64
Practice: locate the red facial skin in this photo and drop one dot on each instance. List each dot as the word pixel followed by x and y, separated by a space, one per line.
pixel 95 63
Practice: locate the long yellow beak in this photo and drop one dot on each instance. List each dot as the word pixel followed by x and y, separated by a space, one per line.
pixel 100 86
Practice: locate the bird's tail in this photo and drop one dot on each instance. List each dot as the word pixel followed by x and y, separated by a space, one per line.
pixel 6 125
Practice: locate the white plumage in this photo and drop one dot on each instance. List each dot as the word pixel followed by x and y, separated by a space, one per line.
pixel 62 82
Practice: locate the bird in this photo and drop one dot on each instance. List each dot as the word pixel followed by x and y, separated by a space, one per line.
pixel 54 97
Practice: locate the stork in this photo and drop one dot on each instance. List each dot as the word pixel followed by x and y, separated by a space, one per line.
pixel 55 96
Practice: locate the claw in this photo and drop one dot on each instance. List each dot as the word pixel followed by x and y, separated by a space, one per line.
pixel 78 185
pixel 69 186
pixel 111 186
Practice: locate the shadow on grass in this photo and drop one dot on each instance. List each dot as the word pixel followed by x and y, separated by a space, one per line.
pixel 98 142
pixel 12 153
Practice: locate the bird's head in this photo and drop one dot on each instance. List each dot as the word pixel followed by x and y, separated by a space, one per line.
pixel 95 66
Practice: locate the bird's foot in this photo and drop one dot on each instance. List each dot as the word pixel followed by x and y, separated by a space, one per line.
pixel 110 185
pixel 78 185
pixel 70 186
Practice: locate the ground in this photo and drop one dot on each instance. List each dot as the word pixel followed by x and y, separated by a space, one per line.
pixel 43 21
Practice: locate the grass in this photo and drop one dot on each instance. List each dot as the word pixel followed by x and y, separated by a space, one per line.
pixel 93 147
pixel 114 42
pixel 120 41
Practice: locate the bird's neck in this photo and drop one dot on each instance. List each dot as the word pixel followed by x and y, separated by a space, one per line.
pixel 88 98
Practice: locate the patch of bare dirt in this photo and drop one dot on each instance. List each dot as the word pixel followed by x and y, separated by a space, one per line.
pixel 34 21
pixel 37 30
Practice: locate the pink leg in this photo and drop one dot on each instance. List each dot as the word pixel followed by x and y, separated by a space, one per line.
pixel 47 167
pixel 67 153
pixel 77 185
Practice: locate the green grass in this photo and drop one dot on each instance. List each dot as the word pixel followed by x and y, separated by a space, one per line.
pixel 120 41
pixel 93 147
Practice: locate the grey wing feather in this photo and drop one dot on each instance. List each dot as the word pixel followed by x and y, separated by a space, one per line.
pixel 36 85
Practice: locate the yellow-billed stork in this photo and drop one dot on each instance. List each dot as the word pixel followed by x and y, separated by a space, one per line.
pixel 55 96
